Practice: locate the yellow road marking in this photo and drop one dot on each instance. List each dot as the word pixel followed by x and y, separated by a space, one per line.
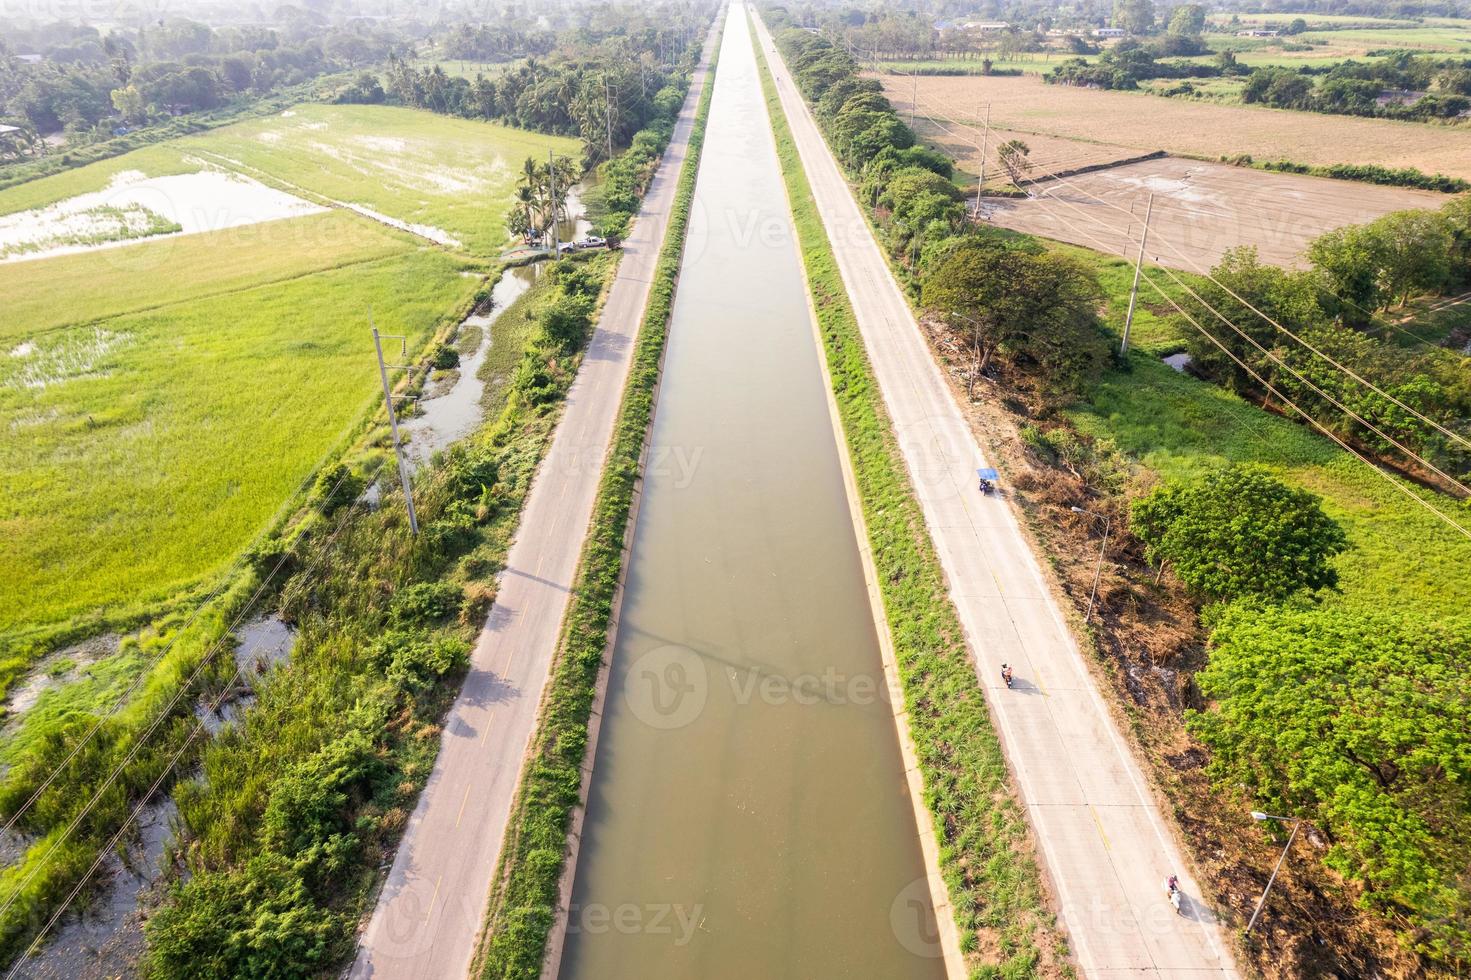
pixel 461 814
pixel 433 898
pixel 488 717
pixel 1094 814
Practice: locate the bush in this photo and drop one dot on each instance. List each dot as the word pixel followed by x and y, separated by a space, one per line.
pixel 1240 533
pixel 258 922
pixel 427 603
pixel 1360 724
pixel 336 486
pixel 444 358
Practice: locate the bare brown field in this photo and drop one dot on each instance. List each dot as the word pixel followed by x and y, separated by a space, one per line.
pixel 1049 153
pixel 1030 108
pixel 1201 209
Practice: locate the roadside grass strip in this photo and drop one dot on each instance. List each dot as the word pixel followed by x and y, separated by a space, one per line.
pixel 523 898
pixel 986 858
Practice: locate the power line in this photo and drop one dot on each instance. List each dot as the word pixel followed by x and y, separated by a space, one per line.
pixel 164 715
pixel 118 835
pixel 1398 485
pixel 146 670
pixel 1207 274
pixel 1269 387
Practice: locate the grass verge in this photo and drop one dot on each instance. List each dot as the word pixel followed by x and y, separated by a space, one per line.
pixel 985 847
pixel 523 898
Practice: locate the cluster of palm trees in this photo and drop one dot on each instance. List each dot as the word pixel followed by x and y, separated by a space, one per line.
pixel 541 195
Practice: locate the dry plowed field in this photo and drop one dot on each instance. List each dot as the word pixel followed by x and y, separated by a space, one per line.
pixel 1200 210
pixel 1028 107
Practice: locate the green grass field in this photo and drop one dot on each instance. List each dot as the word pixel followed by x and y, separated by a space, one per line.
pixel 146 448
pixel 457 175
pixel 163 400
pixel 454 175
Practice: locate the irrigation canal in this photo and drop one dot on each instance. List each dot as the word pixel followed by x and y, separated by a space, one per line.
pixel 748 815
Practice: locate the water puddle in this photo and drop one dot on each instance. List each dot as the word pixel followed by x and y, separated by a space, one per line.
pixel 263 644
pixel 56 670
pixel 452 411
pixel 135 207
pixel 105 938
pixel 1180 362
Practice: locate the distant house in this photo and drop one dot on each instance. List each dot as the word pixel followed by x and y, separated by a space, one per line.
pixel 1109 32
pixel 986 26
pixel 1398 96
pixel 30 59
pixel 1258 32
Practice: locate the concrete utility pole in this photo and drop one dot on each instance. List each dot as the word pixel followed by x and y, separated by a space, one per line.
pixel 398 449
pixel 985 147
pixel 608 112
pixel 552 187
pixel 1138 266
pixel 914 99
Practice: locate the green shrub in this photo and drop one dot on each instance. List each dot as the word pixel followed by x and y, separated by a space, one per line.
pixel 427 602
pixel 1240 532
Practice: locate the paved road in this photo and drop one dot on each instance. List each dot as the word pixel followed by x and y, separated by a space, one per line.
pixel 429 912
pixel 1106 846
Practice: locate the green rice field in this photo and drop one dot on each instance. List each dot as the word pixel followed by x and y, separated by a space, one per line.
pixel 163 401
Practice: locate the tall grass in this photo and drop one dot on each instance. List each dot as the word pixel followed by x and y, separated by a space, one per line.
pixel 985 853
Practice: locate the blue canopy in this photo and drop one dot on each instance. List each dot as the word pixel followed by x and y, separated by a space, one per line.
pixel 988 474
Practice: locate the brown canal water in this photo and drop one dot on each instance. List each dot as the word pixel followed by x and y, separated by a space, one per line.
pixel 748 816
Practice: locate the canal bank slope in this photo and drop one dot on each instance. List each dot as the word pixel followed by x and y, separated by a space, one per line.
pixel 1101 834
pixel 430 910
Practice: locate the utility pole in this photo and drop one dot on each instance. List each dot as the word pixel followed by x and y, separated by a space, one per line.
pixel 608 112
pixel 985 146
pixel 914 99
pixel 552 187
pixel 398 449
pixel 1296 825
pixel 1138 267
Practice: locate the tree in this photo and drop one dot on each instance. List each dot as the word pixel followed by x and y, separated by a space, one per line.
pixel 1187 20
pixel 128 101
pixel 1012 156
pixel 1289 298
pixel 1413 249
pixel 1134 16
pixel 1240 533
pixel 1361 724
pixel 1033 307
pixel 1348 261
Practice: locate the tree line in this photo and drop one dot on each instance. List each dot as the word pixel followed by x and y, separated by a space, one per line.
pixel 1357 273
pixel 88 83
pixel 1419 87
